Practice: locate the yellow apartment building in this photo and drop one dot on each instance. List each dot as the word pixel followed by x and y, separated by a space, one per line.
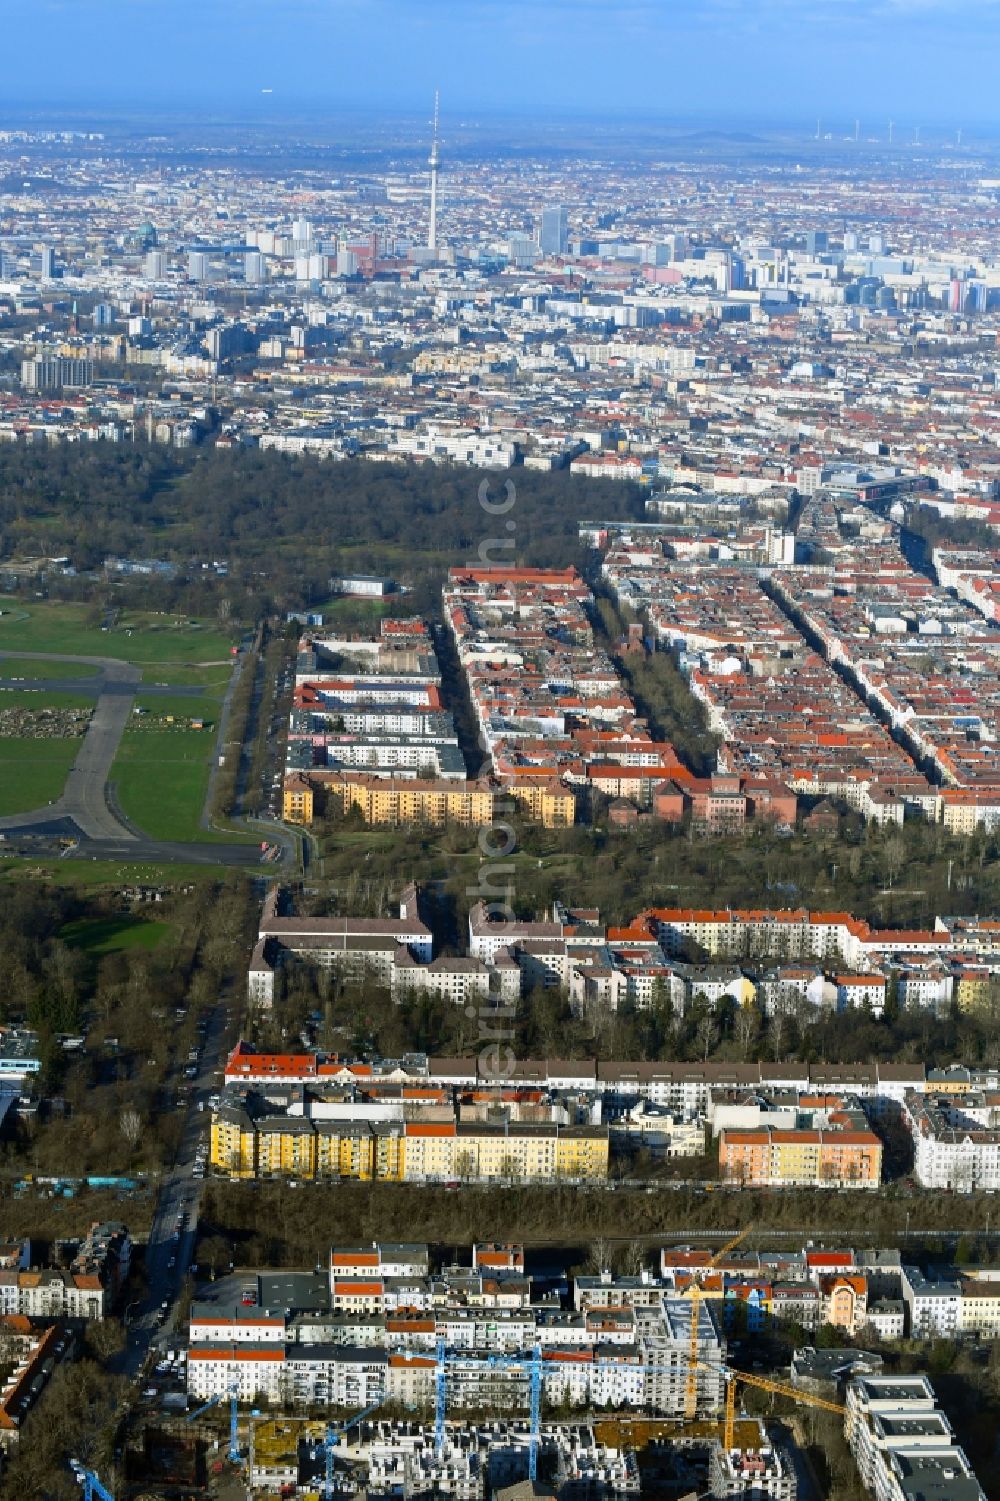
pixel 298 800
pixel 548 803
pixel 403 1152
pixel 975 989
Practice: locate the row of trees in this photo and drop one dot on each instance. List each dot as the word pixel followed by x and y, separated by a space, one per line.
pixel 285 524
pixel 117 1109
pixel 364 1018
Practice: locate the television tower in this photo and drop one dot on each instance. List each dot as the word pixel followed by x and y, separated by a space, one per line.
pixel 434 163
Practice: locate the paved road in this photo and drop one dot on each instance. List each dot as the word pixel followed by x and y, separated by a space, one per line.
pixel 180 1194
pixel 91 687
pixel 141 851
pixel 84 811
pixel 83 798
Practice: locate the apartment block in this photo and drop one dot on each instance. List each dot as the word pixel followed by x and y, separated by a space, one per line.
pixel 903 1444
pixel 956 1140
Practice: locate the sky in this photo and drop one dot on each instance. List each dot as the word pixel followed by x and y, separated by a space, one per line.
pixel 921 62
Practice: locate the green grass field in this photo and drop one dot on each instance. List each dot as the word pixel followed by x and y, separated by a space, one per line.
pixel 160 705
pixel 137 636
pixel 95 875
pixel 41 698
pixel 112 935
pixel 161 777
pixel 33 772
pixel 212 679
pixel 350 606
pixel 19 667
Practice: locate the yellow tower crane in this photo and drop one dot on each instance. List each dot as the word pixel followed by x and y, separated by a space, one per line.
pixel 765 1384
pixel 695 1294
pixel 779 1388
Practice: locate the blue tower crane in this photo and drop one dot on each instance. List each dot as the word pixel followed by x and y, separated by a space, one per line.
pixel 440 1398
pixel 334 1433
pixel 93 1490
pixel 532 1364
pixel 535 1398
pixel 232 1392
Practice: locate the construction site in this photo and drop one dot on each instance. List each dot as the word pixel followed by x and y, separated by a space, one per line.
pixel 664 1420
pixel 283 1457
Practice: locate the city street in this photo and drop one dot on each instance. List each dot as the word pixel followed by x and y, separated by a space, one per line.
pixel 180 1194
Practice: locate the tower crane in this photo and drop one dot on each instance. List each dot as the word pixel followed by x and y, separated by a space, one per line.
pixel 334 1433
pixel 764 1383
pixel 531 1364
pixel 232 1392
pixel 93 1490
pixel 696 1295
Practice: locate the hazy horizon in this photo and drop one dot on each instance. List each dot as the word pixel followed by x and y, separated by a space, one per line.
pixel 775 64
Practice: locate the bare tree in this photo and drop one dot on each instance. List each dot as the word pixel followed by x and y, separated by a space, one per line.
pixel 633 1259
pixel 130 1125
pixel 599 1259
pixel 705 1034
pixel 746 1028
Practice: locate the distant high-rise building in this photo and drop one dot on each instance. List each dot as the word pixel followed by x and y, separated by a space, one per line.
pixel 851 241
pixel 253 267
pixel 46 262
pixel 226 341
pixel 553 233
pixel 302 234
pixel 678 246
pixel 522 250
pixel 46 373
pixel 876 244
pixel 816 241
pixel 155 265
pixel 104 315
pixel 736 273
pixel 310 267
pixel 198 265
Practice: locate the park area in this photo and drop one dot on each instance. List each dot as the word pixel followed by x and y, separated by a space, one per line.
pixel 143 637
pixel 116 934
pixel 33 772
pixel 162 764
pixel 160 779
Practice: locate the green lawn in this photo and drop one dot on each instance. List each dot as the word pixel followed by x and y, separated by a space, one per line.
pixel 351 605
pixel 137 636
pixel 161 777
pixel 212 679
pixel 41 698
pixel 198 706
pixel 19 667
pixel 111 935
pixel 93 875
pixel 33 772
